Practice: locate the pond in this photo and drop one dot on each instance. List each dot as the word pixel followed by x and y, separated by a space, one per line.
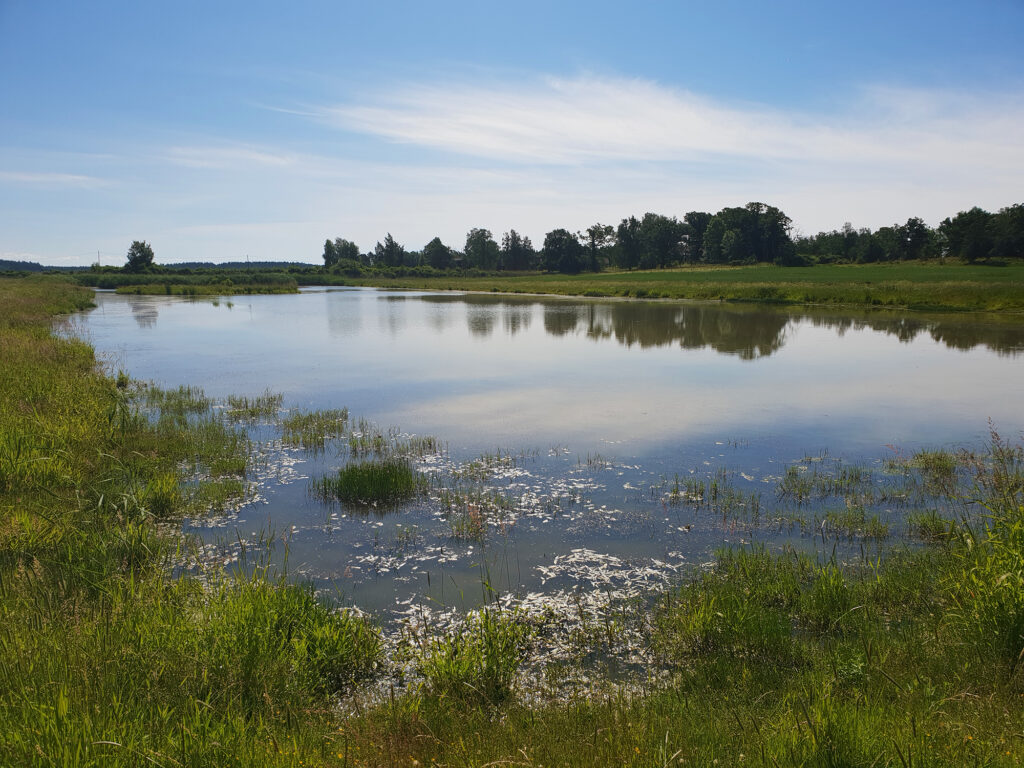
pixel 591 450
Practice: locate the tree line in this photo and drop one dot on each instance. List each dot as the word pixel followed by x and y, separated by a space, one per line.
pixel 974 235
pixel 754 233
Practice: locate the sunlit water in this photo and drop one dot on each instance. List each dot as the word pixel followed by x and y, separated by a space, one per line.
pixel 601 405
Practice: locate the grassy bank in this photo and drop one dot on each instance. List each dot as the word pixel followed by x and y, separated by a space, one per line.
pixel 767 658
pixel 929 286
pixel 105 659
pixel 187 282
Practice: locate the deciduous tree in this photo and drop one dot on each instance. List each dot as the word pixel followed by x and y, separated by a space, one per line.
pixel 140 257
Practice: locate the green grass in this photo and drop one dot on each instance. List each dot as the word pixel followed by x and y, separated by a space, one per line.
pixel 387 481
pixel 917 286
pixel 477 663
pixel 106 659
pixel 311 430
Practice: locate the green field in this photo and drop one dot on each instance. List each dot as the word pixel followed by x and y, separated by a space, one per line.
pixel 771 659
pixel 916 286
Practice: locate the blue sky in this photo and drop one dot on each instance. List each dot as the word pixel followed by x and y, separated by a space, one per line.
pixel 223 130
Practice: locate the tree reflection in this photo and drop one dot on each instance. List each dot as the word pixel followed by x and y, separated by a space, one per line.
pixel 748 332
pixel 144 311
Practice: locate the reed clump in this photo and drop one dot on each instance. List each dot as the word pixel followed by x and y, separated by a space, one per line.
pixel 310 430
pixel 387 481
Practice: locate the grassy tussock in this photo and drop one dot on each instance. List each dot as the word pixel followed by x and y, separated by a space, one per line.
pixel 476 665
pixel 387 481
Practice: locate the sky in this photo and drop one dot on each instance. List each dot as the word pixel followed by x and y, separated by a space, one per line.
pixel 231 130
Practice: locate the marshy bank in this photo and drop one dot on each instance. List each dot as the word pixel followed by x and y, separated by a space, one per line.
pixel 887 633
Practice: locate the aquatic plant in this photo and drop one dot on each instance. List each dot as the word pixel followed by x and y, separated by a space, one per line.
pixel 311 430
pixel 386 481
pixel 265 406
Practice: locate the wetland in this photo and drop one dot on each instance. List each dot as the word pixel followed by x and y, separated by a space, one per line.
pixel 558 450
pixel 364 527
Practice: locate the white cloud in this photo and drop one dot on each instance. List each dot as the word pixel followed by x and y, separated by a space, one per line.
pixel 601 120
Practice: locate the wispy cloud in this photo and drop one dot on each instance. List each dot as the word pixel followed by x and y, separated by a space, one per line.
pixel 592 119
pixel 51 180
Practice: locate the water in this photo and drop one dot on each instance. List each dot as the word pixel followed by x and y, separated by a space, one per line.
pixel 598 409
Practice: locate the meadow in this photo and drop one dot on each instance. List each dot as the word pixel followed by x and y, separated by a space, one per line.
pixel 915 286
pixel 112 653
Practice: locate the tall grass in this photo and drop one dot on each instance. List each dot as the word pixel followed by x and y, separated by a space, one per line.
pixel 987 587
pixel 477 663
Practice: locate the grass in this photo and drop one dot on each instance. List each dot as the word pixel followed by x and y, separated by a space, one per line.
pixel 311 430
pixel 265 406
pixel 928 286
pixel 477 663
pixel 376 482
pixel 766 657
pixel 106 659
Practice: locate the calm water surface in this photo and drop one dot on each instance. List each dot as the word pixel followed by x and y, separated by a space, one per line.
pixel 601 405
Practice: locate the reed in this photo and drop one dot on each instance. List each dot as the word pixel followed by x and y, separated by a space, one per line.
pixel 310 430
pixel 375 482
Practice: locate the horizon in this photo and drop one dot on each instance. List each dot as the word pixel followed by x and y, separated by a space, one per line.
pixel 217 133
